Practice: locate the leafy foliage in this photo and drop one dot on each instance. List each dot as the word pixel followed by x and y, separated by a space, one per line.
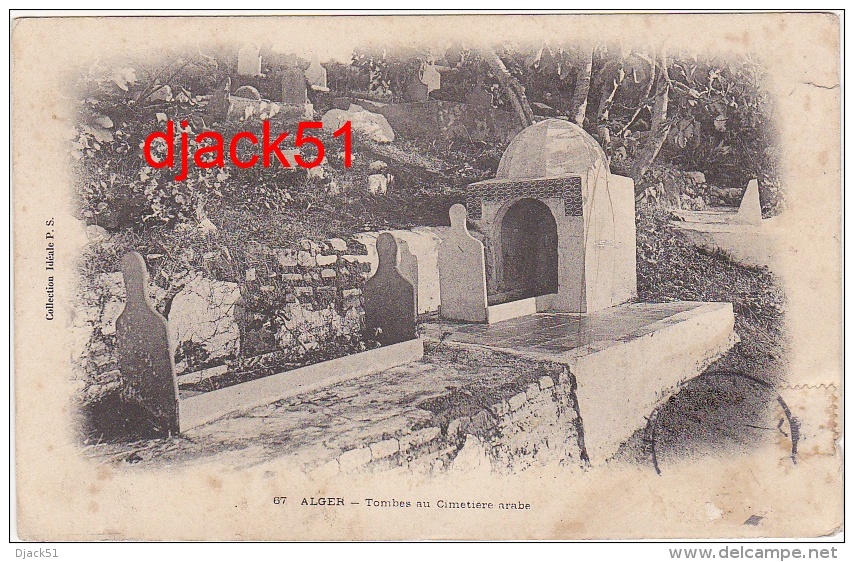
pixel 719 119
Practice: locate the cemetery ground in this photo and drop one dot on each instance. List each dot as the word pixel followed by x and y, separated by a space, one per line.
pixel 721 409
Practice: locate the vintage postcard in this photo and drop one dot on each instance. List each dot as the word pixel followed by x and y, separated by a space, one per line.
pixel 427 277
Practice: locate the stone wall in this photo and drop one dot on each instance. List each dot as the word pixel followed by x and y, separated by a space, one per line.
pixel 301 303
pixel 294 301
pixel 299 299
pixel 539 426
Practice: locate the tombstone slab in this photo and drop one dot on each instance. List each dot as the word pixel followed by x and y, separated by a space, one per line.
pixel 389 298
pixel 249 60
pixel 750 210
pixel 145 354
pixel 462 272
pixel 293 86
pixel 316 75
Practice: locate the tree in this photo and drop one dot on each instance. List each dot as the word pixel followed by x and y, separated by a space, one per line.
pixel 660 125
pixel 511 87
pixel 582 88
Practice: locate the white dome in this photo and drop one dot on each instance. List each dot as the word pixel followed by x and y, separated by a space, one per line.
pixel 550 148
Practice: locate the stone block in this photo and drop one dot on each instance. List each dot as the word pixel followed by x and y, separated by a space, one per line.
pixel 326 260
pixel 292 276
pixel 306 259
pixel 419 438
pixel 532 391
pixel 500 408
pixel 337 244
pixel 546 382
pixel 384 449
pixel 286 258
pixel 328 273
pixel 352 292
pixel 203 312
pixel 354 459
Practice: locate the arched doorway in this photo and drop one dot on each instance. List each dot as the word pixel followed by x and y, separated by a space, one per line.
pixel 528 251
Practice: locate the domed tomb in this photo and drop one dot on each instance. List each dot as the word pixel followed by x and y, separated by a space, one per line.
pixel 559 228
pixel 551 148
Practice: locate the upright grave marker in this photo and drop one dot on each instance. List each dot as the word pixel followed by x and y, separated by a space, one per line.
pixel 389 298
pixel 462 272
pixel 249 60
pixel 293 86
pixel 316 76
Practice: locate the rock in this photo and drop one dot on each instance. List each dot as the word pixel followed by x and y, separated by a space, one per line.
pixel 306 259
pixel 97 233
pixel 698 178
pixel 384 449
pixel 419 438
pixel 377 184
pixel 338 244
pixel 516 401
pixel 377 166
pixel 355 458
pixel 164 93
pixel 250 274
pixel 204 313
pixel 207 227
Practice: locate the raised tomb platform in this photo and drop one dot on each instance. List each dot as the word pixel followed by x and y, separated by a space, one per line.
pixel 624 360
